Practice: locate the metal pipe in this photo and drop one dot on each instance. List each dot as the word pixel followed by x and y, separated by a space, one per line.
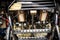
pixel 56 23
pixel 32 21
pixel 9 29
pixel 8 33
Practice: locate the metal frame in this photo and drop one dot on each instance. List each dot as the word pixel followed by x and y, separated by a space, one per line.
pixel 38 7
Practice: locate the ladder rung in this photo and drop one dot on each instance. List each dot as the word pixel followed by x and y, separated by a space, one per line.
pixel 37 5
pixel 47 8
pixel 35 2
pixel 32 0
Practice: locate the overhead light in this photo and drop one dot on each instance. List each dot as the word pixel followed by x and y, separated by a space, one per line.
pixel 33 12
pixel 16 6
